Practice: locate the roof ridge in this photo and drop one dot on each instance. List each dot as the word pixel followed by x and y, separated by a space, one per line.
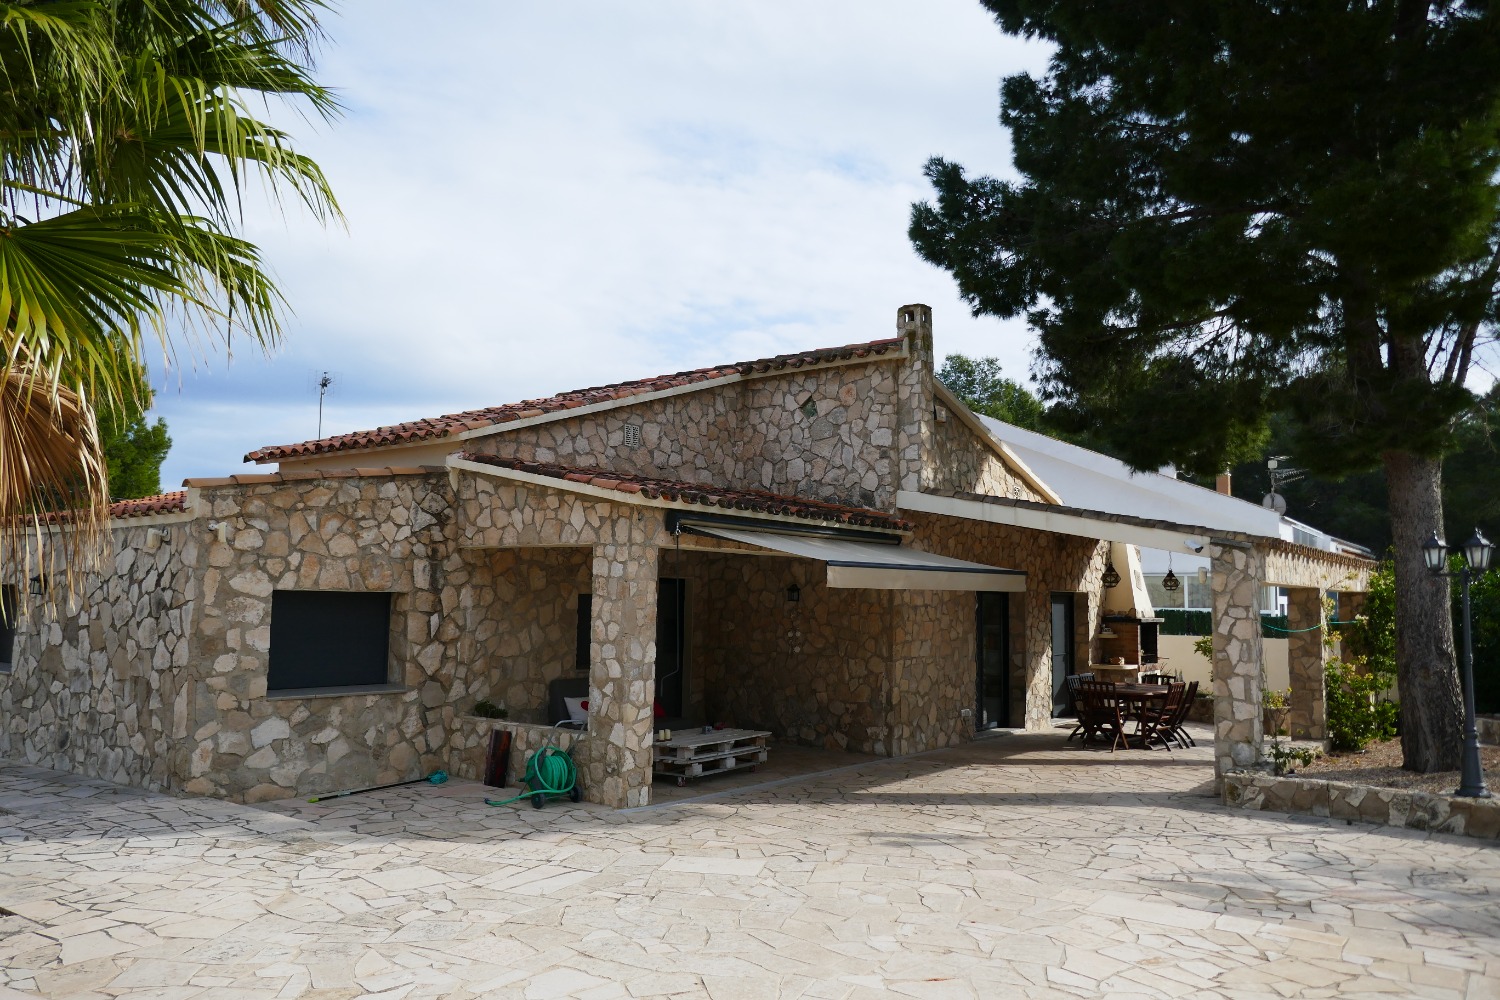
pixel 432 428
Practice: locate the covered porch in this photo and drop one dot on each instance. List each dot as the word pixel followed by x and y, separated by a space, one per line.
pixel 827 630
pixel 1241 565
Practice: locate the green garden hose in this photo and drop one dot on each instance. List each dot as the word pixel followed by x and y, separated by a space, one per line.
pixel 549 771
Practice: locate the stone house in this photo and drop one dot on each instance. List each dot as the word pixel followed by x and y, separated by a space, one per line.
pixel 826 544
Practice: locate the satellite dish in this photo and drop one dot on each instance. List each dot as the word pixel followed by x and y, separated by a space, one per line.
pixel 1274 501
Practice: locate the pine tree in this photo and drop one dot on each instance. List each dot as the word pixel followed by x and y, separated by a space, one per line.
pixel 1232 208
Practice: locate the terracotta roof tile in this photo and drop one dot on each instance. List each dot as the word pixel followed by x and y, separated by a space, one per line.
pixel 434 428
pixel 162 503
pixel 726 498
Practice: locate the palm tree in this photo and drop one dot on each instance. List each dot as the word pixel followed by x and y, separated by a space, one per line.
pixel 126 138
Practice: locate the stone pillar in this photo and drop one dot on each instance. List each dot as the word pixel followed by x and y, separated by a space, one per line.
pixel 1305 657
pixel 916 397
pixel 1038 653
pixel 622 680
pixel 1237 571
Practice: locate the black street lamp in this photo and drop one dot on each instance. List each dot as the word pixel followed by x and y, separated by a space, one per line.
pixel 1477 552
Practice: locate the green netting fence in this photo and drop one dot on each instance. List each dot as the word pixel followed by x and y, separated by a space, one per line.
pixel 1177 621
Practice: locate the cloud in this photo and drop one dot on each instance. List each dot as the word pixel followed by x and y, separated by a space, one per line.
pixel 544 197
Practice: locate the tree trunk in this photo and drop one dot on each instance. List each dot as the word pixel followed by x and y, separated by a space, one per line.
pixel 1427 672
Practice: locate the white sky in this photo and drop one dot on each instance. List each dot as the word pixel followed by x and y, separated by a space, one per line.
pixel 550 196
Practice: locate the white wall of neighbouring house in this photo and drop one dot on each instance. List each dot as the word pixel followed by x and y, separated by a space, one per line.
pixel 1178 651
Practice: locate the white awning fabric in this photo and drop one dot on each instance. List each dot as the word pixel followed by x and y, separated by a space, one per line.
pixel 873 565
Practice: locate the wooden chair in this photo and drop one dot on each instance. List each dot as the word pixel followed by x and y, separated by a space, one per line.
pixel 1158 717
pixel 1100 714
pixel 1177 732
pixel 1157 678
pixel 1075 703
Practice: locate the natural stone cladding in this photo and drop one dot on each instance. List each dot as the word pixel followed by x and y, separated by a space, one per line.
pixel 963 463
pixel 1414 810
pixel 352 534
pixel 1238 666
pixel 826 433
pixel 1053 564
pixel 100 690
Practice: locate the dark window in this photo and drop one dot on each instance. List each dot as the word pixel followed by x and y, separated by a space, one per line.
pixel 10 598
pixel 585 628
pixel 671 642
pixel 323 639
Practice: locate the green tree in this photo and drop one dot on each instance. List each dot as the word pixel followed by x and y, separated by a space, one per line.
pixel 127 133
pixel 1232 209
pixel 981 384
pixel 134 448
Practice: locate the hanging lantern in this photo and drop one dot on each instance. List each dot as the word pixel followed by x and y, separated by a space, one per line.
pixel 1169 583
pixel 1111 578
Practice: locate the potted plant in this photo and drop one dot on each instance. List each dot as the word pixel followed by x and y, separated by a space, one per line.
pixel 1276 710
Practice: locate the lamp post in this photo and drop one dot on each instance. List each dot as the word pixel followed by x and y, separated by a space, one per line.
pixel 1477 552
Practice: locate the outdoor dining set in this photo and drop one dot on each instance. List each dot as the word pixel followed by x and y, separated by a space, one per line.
pixel 1142 715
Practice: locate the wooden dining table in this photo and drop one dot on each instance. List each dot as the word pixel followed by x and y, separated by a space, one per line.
pixel 1135 697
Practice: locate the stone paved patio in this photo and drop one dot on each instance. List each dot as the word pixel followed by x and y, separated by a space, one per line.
pixel 1016 866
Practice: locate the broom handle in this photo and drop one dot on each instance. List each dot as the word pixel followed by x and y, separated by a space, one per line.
pixel 372 788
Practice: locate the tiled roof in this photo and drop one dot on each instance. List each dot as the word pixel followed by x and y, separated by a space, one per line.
pixel 162 503
pixel 456 423
pixel 725 498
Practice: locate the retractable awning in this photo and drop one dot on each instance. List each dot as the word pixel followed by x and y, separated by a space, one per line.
pixel 872 565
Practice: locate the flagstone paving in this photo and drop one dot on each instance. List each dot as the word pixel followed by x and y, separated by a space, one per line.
pixel 1013 867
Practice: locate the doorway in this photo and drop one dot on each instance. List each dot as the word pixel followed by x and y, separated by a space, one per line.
pixel 1062 653
pixel 671 622
pixel 993 653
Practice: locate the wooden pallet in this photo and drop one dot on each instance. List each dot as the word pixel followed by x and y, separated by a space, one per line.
pixel 696 755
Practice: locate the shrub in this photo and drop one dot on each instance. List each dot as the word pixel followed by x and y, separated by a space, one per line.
pixel 487 709
pixel 1358 709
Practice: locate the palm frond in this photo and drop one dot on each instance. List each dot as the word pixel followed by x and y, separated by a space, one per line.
pixel 54 494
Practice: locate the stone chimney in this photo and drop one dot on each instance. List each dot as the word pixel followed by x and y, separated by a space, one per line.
pixel 1221 484
pixel 916 396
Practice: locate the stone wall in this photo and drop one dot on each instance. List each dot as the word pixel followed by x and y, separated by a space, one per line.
pixel 389 534
pixel 99 691
pixel 1361 803
pixel 1290 565
pixel 826 433
pixel 1053 564
pixel 961 461
pixel 470 744
pixel 814 671
pixel 519 627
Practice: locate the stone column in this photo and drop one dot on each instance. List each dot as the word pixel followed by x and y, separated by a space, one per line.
pixel 1037 609
pixel 622 680
pixel 1305 656
pixel 1237 571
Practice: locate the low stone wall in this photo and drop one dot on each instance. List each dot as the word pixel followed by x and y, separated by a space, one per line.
pixel 469 741
pixel 1387 806
pixel 1489 729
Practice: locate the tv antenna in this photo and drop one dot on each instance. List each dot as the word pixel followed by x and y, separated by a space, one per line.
pixel 1280 475
pixel 323 382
